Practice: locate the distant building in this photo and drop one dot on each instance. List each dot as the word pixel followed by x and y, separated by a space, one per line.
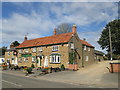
pixel 98 55
pixel 87 53
pixel 11 55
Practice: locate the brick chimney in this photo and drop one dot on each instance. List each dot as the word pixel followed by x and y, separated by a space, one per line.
pixel 25 38
pixel 74 28
pixel 55 31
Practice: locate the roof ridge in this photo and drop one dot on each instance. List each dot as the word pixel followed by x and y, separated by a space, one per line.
pixel 86 43
pixel 59 38
pixel 48 36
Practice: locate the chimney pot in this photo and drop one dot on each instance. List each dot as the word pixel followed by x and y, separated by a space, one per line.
pixel 74 28
pixel 25 38
pixel 55 32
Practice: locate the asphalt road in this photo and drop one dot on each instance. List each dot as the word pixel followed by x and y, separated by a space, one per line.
pixel 13 81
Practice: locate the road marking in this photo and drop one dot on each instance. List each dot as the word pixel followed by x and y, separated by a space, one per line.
pixel 12 83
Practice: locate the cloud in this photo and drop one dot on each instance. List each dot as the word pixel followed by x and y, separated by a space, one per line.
pixel 92 38
pixel 18 25
pixel 61 1
pixel 43 17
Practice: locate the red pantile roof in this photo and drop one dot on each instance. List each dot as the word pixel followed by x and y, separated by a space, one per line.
pixel 60 38
pixel 86 43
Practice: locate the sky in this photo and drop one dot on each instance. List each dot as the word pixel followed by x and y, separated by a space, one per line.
pixel 39 19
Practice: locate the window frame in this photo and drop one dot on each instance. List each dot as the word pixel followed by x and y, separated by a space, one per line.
pixel 72 45
pixel 85 47
pixel 33 59
pixel 55 59
pixel 26 50
pixel 40 49
pixel 21 50
pixel 9 53
pixel 87 58
pixel 88 48
pixel 34 49
pixel 55 48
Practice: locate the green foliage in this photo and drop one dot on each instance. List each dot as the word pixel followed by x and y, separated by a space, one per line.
pixel 116 57
pixel 3 50
pixel 16 43
pixel 115 36
pixel 72 57
pixel 32 66
pixel 36 60
pixel 29 69
pixel 62 67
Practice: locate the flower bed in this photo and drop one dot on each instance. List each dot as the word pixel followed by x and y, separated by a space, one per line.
pixel 4 67
pixel 45 69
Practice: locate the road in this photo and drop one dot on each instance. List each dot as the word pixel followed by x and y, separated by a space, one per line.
pixel 13 81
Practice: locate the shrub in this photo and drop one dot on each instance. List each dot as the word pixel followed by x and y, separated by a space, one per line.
pixel 4 67
pixel 29 70
pixel 32 66
pixel 36 60
pixel 62 67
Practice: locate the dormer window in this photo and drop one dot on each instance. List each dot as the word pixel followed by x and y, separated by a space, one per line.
pixel 34 49
pixel 40 49
pixel 55 48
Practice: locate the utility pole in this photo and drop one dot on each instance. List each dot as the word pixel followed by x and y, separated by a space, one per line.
pixel 110 44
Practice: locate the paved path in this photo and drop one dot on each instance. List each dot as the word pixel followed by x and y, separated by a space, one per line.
pixel 96 75
pixel 13 81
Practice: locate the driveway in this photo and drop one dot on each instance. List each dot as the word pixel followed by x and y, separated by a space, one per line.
pixel 94 76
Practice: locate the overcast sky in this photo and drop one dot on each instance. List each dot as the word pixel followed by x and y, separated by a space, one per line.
pixel 39 19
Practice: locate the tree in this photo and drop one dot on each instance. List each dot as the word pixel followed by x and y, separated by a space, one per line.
pixel 63 28
pixel 2 50
pixel 115 36
pixel 16 43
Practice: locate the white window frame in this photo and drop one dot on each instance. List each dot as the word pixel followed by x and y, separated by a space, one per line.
pixel 34 49
pixel 20 60
pixel 54 59
pixel 85 47
pixel 33 59
pixel 55 48
pixel 20 51
pixel 40 49
pixel 88 48
pixel 25 59
pixel 8 53
pixel 26 50
pixel 87 58
pixel 72 45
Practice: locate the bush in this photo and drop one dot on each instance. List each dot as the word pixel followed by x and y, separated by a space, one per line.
pixel 32 66
pixel 62 67
pixel 29 70
pixel 4 67
pixel 115 57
